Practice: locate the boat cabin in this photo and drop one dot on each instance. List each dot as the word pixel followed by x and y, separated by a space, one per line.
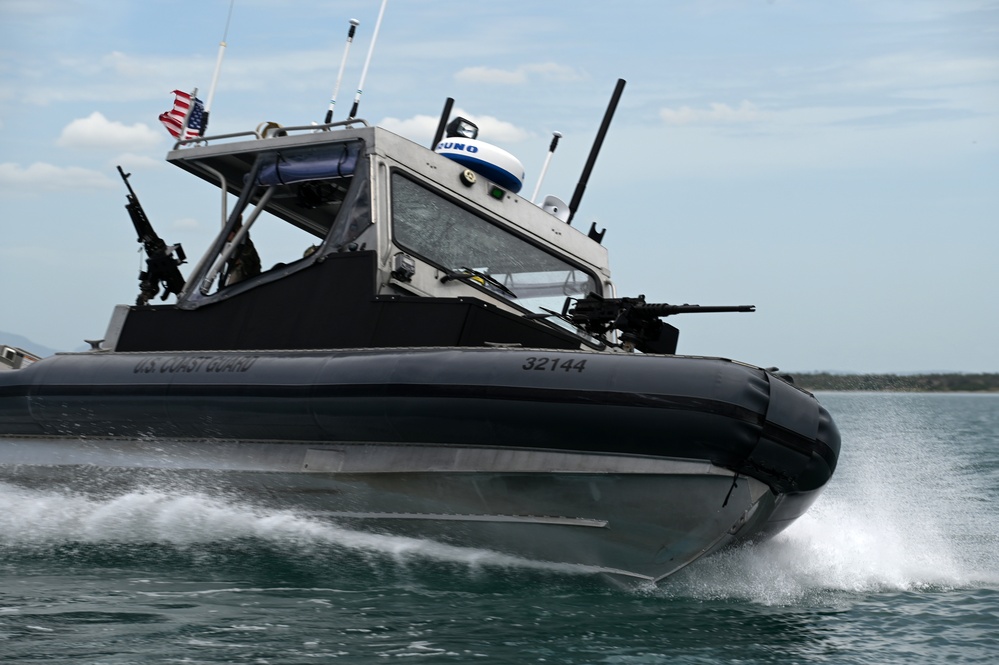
pixel 349 236
pixel 12 357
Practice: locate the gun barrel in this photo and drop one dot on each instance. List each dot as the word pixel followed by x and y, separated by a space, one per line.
pixel 665 309
pixel 143 227
pixel 124 178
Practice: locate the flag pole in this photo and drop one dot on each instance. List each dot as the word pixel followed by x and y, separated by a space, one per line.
pixel 367 62
pixel 218 69
pixel 211 91
pixel 343 63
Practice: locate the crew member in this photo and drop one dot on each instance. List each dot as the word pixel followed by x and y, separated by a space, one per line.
pixel 244 262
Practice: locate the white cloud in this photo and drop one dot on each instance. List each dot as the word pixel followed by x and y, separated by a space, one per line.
pixel 46 177
pixel 547 71
pixel 716 114
pixel 96 131
pixel 494 130
pixel 116 77
pixel 421 128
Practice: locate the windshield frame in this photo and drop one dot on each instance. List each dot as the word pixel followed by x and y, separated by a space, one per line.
pixel 352 217
pixel 511 236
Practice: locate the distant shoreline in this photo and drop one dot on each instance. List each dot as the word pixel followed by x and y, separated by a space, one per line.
pixel 911 383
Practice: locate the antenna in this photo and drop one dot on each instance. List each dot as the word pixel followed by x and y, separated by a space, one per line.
pixel 367 62
pixel 544 169
pixel 218 69
pixel 595 150
pixel 343 63
pixel 445 114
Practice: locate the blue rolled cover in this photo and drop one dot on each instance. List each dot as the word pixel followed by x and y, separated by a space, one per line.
pixel 332 161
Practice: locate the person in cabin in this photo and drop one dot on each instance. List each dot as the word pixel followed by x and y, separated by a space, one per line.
pixel 244 262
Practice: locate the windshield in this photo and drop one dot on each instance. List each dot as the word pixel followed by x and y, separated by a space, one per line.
pixel 300 206
pixel 458 240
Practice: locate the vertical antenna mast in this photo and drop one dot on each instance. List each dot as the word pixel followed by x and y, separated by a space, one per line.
pixel 343 63
pixel 595 150
pixel 367 62
pixel 445 114
pixel 218 69
pixel 544 169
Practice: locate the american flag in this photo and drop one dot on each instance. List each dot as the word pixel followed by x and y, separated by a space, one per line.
pixel 173 119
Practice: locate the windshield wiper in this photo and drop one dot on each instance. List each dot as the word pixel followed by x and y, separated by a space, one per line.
pixel 471 276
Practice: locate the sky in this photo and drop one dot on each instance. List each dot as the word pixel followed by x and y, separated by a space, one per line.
pixel 834 163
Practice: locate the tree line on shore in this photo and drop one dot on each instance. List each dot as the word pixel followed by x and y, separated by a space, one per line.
pixel 920 383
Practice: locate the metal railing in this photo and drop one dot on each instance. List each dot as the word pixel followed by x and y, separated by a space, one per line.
pixel 271 129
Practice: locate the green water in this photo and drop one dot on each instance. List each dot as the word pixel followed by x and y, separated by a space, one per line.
pixel 898 562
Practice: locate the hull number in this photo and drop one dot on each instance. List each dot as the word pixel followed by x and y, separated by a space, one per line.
pixel 543 364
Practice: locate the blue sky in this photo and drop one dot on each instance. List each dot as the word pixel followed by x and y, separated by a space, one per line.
pixel 834 163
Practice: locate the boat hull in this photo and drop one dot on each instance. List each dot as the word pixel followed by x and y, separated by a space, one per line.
pixel 633 466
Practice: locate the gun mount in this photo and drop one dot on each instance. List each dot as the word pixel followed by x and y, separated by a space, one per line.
pixel 638 321
pixel 161 259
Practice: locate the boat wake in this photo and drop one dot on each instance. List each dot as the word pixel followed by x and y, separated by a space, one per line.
pixel 37 520
pixel 910 511
pixel 838 546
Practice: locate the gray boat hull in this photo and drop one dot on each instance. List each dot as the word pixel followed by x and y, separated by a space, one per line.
pixel 633 466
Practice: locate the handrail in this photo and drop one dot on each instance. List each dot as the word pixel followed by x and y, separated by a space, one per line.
pixel 276 131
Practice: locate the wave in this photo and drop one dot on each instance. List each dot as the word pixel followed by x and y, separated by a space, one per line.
pixel 38 520
pixel 909 509
pixel 839 546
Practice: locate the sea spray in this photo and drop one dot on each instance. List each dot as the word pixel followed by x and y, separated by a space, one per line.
pixel 32 519
pixel 903 514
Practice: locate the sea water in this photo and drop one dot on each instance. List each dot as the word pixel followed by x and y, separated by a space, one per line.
pixel 898 562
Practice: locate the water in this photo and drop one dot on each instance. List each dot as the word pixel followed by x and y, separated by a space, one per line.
pixel 898 562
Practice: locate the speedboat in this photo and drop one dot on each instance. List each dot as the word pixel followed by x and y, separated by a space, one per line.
pixel 391 337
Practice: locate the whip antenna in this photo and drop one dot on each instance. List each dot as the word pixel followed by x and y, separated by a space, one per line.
pixel 595 150
pixel 343 63
pixel 445 114
pixel 544 169
pixel 218 69
pixel 367 62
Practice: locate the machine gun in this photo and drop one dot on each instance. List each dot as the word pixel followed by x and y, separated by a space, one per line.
pixel 638 321
pixel 161 259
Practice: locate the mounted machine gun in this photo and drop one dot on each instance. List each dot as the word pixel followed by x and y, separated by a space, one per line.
pixel 638 321
pixel 161 259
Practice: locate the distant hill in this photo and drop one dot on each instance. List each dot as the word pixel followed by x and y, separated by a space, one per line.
pixel 912 383
pixel 23 342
